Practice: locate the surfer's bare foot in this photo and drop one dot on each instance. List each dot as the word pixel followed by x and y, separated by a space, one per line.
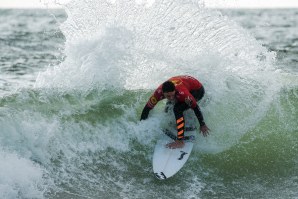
pixel 175 145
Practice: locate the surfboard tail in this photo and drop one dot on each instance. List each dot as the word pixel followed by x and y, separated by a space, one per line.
pixel 160 176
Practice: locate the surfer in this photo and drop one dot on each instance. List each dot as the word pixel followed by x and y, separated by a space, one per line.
pixel 183 92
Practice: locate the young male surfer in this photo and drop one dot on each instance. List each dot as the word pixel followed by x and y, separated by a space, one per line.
pixel 183 92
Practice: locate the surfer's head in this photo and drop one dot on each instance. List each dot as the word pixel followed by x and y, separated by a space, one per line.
pixel 168 89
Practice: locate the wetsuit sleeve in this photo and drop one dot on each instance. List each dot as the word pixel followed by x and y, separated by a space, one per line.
pixel 145 112
pixel 199 115
pixel 157 96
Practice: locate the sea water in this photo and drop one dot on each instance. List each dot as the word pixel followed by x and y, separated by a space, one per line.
pixel 74 82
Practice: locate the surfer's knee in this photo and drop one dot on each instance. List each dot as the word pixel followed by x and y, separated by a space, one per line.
pixel 198 94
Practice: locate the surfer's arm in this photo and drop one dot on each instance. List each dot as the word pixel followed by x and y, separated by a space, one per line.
pixel 145 112
pixel 203 127
pixel 157 96
pixel 199 115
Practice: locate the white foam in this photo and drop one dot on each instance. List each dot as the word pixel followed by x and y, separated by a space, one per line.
pixel 20 177
pixel 124 45
pixel 130 45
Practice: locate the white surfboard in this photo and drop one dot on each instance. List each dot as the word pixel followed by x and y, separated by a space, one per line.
pixel 167 162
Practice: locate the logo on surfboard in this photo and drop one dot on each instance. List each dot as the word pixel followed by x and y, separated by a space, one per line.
pixel 182 155
pixel 160 175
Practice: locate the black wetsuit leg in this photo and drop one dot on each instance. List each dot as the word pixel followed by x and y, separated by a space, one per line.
pixel 180 107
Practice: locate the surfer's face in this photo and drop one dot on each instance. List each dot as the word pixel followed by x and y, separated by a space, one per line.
pixel 170 95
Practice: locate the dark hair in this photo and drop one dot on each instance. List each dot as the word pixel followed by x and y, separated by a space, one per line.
pixel 168 86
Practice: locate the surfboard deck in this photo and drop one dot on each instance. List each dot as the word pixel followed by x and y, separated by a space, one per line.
pixel 167 162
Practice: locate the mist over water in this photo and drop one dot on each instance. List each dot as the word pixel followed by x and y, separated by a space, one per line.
pixel 76 131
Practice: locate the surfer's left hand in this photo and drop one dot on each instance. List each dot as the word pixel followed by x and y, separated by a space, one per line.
pixel 205 130
pixel 176 144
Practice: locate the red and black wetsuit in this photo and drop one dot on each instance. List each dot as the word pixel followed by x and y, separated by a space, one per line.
pixel 188 91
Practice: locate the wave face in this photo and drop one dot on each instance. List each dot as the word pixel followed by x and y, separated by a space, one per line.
pixel 77 131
